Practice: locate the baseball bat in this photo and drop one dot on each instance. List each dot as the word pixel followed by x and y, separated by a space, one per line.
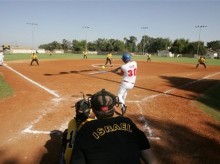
pixel 99 72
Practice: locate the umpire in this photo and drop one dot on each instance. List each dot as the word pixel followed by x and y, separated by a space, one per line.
pixel 110 140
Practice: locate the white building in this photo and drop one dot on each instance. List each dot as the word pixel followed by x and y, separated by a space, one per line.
pixel 165 53
pixel 211 54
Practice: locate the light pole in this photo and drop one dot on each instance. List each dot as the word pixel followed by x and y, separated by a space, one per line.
pixel 199 37
pixel 144 28
pixel 86 27
pixel 32 24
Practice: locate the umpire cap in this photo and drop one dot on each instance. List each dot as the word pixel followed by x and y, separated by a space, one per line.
pixel 103 103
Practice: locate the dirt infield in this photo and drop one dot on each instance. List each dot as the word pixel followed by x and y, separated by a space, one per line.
pixel 162 104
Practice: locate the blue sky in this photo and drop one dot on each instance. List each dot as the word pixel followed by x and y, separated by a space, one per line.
pixel 63 19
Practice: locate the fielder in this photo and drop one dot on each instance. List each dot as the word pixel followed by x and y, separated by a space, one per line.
pixel 109 59
pixel 129 73
pixel 201 61
pixel 69 134
pixel 148 57
pixel 85 55
pixel 34 58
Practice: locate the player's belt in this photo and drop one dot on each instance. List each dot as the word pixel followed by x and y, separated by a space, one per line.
pixel 128 81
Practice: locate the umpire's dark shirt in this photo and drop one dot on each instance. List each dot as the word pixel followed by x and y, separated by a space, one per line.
pixel 109 141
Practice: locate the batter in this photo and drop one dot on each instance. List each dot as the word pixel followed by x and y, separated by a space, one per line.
pixel 129 73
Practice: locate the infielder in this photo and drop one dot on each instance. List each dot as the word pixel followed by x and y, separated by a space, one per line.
pixel 201 61
pixel 148 57
pixel 34 58
pixel 109 59
pixel 85 55
pixel 129 72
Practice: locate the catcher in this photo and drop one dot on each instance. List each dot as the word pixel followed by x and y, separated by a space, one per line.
pixel 201 61
pixel 82 116
pixel 108 139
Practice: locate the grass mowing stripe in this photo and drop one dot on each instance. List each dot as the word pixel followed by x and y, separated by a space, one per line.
pixel 210 103
pixel 5 89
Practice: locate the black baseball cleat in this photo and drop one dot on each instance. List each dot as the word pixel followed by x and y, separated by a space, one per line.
pixel 123 110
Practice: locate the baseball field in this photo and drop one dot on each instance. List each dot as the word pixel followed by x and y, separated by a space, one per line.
pixel 163 103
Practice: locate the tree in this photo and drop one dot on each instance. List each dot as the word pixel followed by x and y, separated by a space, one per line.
pixel 78 45
pixel 130 44
pixel 102 44
pixel 179 46
pixel 214 45
pixel 159 44
pixel 118 45
pixel 51 46
pixel 202 49
pixel 91 46
pixel 192 48
pixel 151 45
pixel 66 44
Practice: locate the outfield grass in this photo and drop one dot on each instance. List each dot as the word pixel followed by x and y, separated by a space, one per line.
pixel 11 57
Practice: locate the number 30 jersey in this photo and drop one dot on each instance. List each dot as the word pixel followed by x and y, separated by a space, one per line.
pixel 129 71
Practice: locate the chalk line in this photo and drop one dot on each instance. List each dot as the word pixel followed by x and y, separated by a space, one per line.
pixel 146 127
pixel 41 86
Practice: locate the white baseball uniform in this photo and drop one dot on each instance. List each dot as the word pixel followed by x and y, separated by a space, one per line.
pixel 129 72
pixel 1 58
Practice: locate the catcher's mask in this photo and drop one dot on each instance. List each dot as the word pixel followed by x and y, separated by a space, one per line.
pixel 103 103
pixel 82 108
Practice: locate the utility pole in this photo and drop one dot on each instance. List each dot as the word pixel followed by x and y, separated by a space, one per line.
pixel 32 24
pixel 199 37
pixel 86 27
pixel 144 28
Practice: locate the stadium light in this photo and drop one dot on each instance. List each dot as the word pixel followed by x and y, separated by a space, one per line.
pixel 144 28
pixel 86 27
pixel 32 24
pixel 199 36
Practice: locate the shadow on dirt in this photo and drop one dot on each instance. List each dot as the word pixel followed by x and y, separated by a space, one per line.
pixel 70 72
pixel 180 144
pixel 12 160
pixel 177 143
pixel 199 86
pixel 54 148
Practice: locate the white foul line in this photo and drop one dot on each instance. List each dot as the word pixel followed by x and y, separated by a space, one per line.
pixel 146 127
pixel 142 118
pixel 42 87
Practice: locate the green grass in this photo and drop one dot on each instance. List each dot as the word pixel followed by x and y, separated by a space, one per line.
pixel 210 103
pixel 12 57
pixel 5 89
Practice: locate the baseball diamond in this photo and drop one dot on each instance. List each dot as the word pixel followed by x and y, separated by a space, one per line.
pixel 162 104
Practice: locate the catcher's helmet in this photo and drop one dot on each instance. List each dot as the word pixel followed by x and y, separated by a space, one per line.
pixel 126 57
pixel 102 104
pixel 82 108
